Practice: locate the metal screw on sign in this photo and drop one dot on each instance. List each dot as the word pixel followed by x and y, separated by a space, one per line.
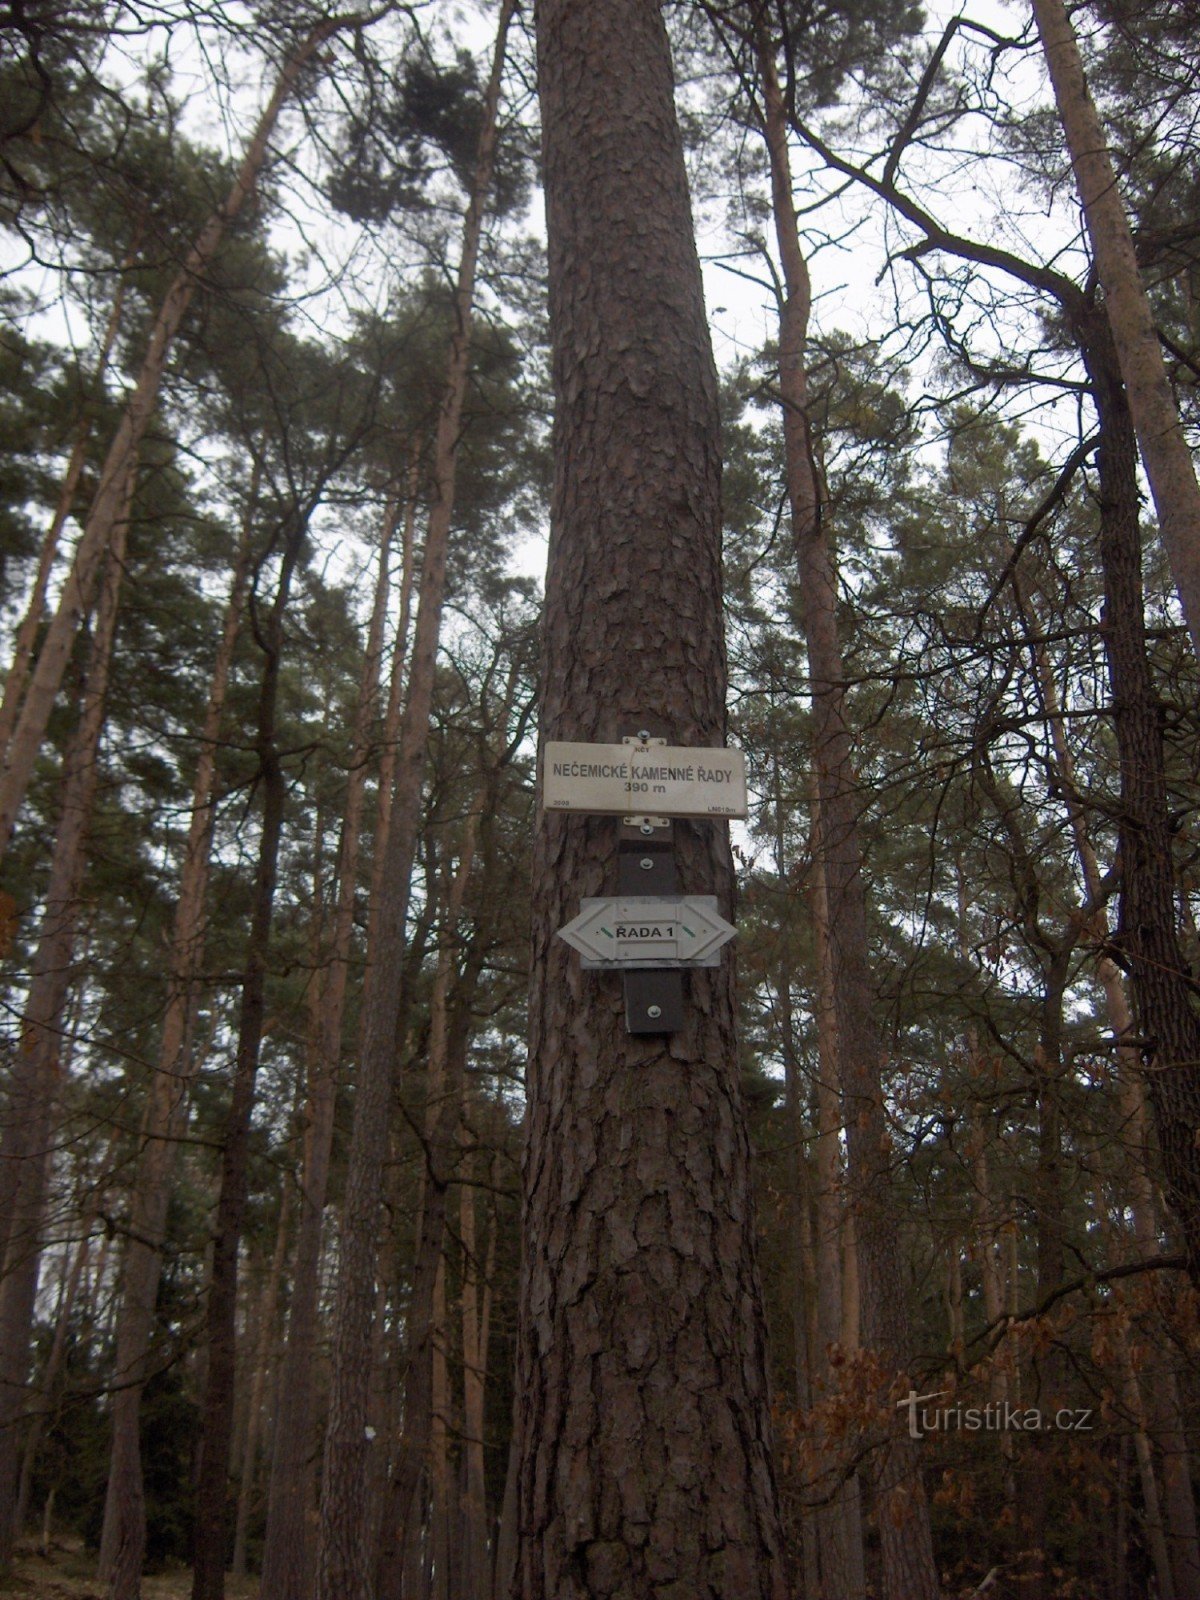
pixel 654 1012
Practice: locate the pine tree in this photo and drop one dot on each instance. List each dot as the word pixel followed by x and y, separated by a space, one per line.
pixel 645 1456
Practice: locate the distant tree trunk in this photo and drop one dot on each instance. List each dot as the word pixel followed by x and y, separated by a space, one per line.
pixel 449 1038
pixel 52 1372
pixel 441 1494
pixel 79 588
pixel 839 1523
pixel 287 1556
pixel 123 1539
pixel 38 1067
pixel 806 1359
pixel 258 1381
pixel 504 1567
pixel 1153 1521
pixel 211 1525
pixel 910 1572
pixel 393 711
pixel 1164 448
pixel 1167 1032
pixel 343 1558
pixel 1162 1402
pixel 643 1413
pixel 475 1310
pixel 1164 990
pixel 1053 954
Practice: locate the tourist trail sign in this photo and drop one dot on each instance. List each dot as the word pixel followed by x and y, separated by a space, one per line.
pixel 643 778
pixel 625 932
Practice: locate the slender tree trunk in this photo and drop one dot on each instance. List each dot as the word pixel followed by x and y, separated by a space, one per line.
pixel 258 1381
pixel 1152 1513
pixel 800 1213
pixel 390 735
pixel 441 1511
pixel 78 590
pixel 123 1539
pixel 1164 991
pixel 910 1572
pixel 39 1055
pixel 798 1221
pixel 287 1556
pixel 50 1376
pixel 507 1543
pixel 839 1523
pixel 1053 954
pixel 1164 449
pixel 987 1226
pixel 643 1410
pixel 1162 1402
pixel 211 1526
pixel 475 1311
pixel 343 1559
pixel 449 1037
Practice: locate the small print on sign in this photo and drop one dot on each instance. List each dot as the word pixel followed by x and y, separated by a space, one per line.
pixel 663 780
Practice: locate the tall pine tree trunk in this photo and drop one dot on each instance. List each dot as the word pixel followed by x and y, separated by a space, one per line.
pixel 839 1522
pixel 449 1038
pixel 55 1362
pixel 1164 448
pixel 211 1522
pixel 123 1538
pixel 39 1052
pixel 475 1310
pixel 642 1405
pixel 1162 1399
pixel 344 1564
pixel 287 1555
pixel 903 1514
pixel 1147 938
pixel 263 1352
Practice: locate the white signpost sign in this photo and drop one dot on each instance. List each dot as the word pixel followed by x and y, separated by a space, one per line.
pixel 682 930
pixel 656 779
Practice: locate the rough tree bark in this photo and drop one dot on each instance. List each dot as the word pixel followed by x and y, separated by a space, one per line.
pixel 909 1570
pixel 344 1564
pixel 642 1407
pixel 1164 449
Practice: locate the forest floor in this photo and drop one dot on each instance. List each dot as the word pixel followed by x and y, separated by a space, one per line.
pixel 69 1573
